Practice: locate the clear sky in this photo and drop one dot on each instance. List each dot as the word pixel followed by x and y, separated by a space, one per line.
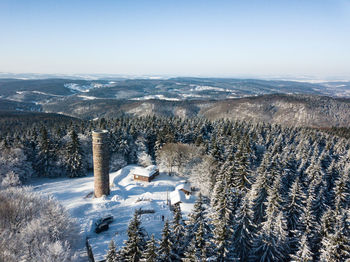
pixel 177 37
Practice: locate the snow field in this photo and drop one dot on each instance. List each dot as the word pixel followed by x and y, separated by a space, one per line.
pixel 126 196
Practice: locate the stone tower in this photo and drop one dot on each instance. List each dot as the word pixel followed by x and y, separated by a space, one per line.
pixel 100 151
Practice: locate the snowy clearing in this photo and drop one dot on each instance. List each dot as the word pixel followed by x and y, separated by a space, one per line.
pixel 126 196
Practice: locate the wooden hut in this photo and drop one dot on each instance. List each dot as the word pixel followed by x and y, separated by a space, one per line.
pixel 145 174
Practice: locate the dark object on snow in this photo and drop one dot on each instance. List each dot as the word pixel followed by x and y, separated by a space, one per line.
pixel 101 227
pixel 162 218
pixel 145 211
pixel 89 195
pixel 89 251
pixel 103 224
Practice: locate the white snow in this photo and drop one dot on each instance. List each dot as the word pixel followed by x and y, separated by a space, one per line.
pixel 177 196
pixel 145 172
pixel 191 95
pixel 36 92
pixel 88 97
pixel 160 97
pixel 126 196
pixel 205 88
pixel 185 186
pixel 76 87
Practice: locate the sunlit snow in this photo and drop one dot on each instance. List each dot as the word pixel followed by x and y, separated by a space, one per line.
pixel 126 197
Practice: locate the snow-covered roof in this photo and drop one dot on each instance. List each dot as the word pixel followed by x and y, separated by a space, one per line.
pixel 145 172
pixel 184 187
pixel 152 168
pixel 177 196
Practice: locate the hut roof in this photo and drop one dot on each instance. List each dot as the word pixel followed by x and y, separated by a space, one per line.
pixel 177 196
pixel 145 172
pixel 184 186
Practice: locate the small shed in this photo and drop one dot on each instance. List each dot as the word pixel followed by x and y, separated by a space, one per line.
pixel 177 197
pixel 145 174
pixel 185 187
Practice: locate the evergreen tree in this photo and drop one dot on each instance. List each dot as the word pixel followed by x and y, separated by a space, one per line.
pixel 112 252
pixel 74 158
pixel 336 246
pixel 242 178
pixel 198 230
pixel 310 227
pixel 341 192
pixel 198 214
pixel 165 246
pixel 243 231
pixel 293 205
pixel 260 191
pixel 46 158
pixel 178 232
pixel 150 253
pixel 223 218
pixel 293 209
pixel 271 243
pixel 190 254
pixel 303 253
pixel 135 244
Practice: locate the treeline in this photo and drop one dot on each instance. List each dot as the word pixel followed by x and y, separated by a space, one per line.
pixel 277 193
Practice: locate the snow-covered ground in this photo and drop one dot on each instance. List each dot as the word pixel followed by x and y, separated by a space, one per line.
pixel 159 97
pixel 126 196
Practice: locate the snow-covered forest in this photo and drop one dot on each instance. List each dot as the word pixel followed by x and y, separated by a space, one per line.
pixel 269 193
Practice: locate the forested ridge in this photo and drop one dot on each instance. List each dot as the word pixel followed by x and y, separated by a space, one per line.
pixel 272 193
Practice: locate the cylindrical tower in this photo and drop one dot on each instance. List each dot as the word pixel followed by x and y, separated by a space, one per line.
pixel 100 153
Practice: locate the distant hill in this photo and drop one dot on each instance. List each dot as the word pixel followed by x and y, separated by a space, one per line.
pixel 42 91
pixel 283 102
pixel 293 110
pixel 12 120
pixel 9 105
pixel 296 110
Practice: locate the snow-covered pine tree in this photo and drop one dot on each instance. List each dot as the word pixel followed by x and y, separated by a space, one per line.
pixel 190 253
pixel 293 205
pixel 150 253
pixel 223 222
pixel 271 243
pixel 259 196
pixel 165 245
pixel 336 246
pixel 288 162
pixel 74 156
pixel 242 179
pixel 303 253
pixel 328 222
pixel 310 227
pixel 135 244
pixel 331 174
pixel 112 252
pixel 243 230
pixel 293 209
pixel 198 230
pixel 45 160
pixel 341 192
pixel 319 204
pixel 178 232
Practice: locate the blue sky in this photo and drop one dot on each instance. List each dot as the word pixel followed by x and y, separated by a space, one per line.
pixel 200 38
